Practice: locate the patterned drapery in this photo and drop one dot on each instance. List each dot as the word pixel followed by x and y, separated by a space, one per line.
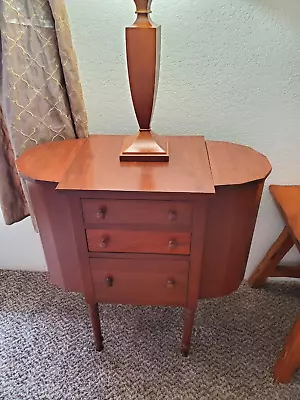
pixel 40 93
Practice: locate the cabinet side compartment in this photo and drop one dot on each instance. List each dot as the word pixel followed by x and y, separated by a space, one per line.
pixel 55 228
pixel 231 221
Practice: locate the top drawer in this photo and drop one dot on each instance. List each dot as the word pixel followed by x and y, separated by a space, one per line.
pixel 165 213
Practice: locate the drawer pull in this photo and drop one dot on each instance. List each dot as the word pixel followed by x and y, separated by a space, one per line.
pixel 109 281
pixel 172 244
pixel 170 283
pixel 101 213
pixel 172 215
pixel 104 242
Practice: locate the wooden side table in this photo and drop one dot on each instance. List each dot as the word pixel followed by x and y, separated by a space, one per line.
pixel 145 233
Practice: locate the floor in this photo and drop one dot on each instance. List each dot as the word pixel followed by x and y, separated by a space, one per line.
pixel 46 348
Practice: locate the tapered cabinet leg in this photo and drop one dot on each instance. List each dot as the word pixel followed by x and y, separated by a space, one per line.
pixel 95 320
pixel 189 317
pixel 289 359
pixel 266 268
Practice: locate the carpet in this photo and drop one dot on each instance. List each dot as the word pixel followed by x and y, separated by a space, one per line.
pixel 47 352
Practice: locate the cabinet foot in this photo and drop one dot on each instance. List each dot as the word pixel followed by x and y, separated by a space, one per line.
pixel 189 316
pixel 184 351
pixel 95 320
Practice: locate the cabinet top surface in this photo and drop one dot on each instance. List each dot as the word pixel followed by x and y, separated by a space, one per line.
pixel 195 166
pixel 97 167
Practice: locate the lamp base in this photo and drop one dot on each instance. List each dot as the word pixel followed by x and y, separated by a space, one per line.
pixel 144 148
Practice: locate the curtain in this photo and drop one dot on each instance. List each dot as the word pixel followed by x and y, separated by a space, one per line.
pixel 40 93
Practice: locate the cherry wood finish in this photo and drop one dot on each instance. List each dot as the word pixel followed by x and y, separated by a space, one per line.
pixel 189 316
pixel 143 60
pixel 195 270
pixel 55 226
pixel 144 148
pixel 159 296
pixel 41 165
pixel 232 215
pixel 108 211
pixel 97 167
pixel 287 199
pixel 135 241
pixel 132 281
pixel 269 265
pixel 92 154
pixel 143 56
pixel 140 205
pixel 234 164
pixel 287 271
pixel 289 359
pixel 95 320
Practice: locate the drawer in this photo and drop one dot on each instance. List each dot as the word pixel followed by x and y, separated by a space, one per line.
pixel 165 213
pixel 136 281
pixel 122 241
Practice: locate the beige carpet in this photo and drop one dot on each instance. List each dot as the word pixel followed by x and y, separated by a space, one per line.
pixel 46 348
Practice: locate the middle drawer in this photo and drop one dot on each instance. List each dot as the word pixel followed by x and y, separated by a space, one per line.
pixel 122 241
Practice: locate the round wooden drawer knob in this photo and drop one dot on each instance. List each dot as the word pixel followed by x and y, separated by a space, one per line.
pixel 101 213
pixel 104 242
pixel 109 281
pixel 170 283
pixel 172 216
pixel 172 244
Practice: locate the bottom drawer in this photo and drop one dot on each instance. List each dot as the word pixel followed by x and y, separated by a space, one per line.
pixel 137 281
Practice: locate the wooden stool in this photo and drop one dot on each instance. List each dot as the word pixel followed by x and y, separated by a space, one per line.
pixel 287 199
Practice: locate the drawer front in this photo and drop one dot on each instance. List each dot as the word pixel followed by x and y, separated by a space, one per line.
pixel 135 281
pixel 165 213
pixel 122 241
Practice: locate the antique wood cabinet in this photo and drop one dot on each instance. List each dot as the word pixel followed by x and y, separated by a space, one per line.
pixel 145 233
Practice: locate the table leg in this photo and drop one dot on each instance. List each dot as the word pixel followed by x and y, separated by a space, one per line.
pixel 289 359
pixel 268 265
pixel 189 316
pixel 94 315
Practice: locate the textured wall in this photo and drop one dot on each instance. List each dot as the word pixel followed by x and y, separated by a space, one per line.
pixel 230 70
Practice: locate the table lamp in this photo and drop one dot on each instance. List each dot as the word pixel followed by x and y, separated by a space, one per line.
pixel 143 61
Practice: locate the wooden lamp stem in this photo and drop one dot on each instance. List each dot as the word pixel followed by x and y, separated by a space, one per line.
pixel 143 61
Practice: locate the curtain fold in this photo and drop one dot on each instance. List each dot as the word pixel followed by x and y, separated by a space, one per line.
pixel 12 199
pixel 41 97
pixel 69 67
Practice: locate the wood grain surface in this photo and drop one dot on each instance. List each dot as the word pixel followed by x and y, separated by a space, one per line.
pixel 231 212
pixel 55 225
pixel 97 167
pixel 140 281
pixel 143 58
pixel 289 359
pixel 168 214
pixel 234 164
pixel 143 43
pixel 125 241
pixel 288 201
pixel 231 218
pixel 269 264
pixel 48 162
pixel 79 164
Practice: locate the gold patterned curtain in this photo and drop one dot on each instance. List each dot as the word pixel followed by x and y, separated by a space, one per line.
pixel 40 93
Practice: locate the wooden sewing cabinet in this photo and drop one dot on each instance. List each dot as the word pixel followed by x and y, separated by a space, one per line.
pixel 145 233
